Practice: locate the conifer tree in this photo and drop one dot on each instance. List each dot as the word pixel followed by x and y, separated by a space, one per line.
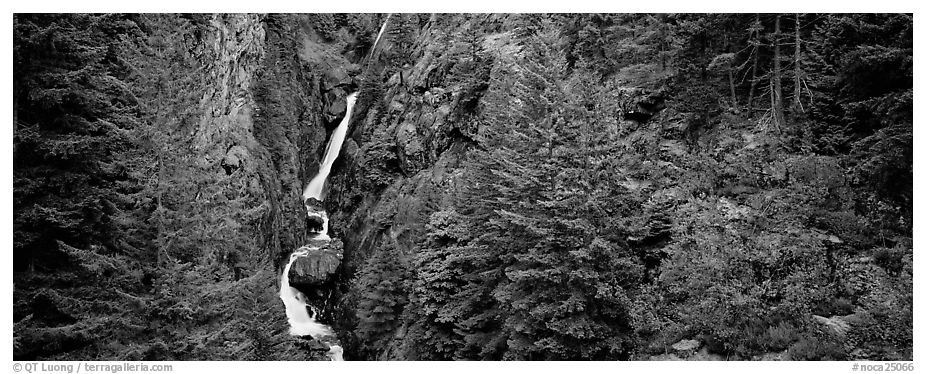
pixel 558 299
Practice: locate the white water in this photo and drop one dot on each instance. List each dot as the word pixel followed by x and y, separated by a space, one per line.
pixel 301 322
pixel 314 189
pixel 380 35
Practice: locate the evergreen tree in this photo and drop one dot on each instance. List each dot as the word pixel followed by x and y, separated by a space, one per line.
pixel 382 299
pixel 560 286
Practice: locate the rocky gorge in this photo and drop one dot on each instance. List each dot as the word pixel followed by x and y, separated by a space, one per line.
pixel 509 186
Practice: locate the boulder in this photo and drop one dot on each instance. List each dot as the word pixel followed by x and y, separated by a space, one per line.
pixel 315 269
pixel 837 324
pixel 234 158
pixel 335 106
pixel 336 84
pixel 350 150
pixel 315 213
pixel 316 222
pixel 687 347
pixel 314 205
pixel 312 345
pixel 336 77
pixel 323 242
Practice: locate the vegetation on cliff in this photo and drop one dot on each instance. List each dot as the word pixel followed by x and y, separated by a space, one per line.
pixel 638 180
pixel 513 186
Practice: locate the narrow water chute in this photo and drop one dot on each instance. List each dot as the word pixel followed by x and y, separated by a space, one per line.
pixel 301 321
pixel 315 187
pixel 297 311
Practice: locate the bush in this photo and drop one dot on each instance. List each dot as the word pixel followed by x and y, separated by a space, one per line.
pixel 816 348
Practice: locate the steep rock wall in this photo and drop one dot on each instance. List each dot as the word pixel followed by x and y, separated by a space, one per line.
pixel 412 129
pixel 414 126
pixel 262 132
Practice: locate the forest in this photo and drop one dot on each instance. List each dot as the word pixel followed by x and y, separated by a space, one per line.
pixel 512 186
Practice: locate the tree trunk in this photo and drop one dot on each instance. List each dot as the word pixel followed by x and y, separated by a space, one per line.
pixel 777 106
pixel 160 217
pixel 159 125
pixel 732 88
pixel 730 67
pixel 796 100
pixel 755 67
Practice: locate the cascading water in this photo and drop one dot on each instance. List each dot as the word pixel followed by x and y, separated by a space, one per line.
pixel 382 29
pixel 314 189
pixel 302 322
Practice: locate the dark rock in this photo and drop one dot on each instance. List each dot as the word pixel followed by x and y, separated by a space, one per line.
pixel 315 214
pixel 337 77
pixel 335 106
pixel 314 205
pixel 315 269
pixel 336 85
pixel 234 158
pixel 316 223
pixel 312 345
pixel 640 105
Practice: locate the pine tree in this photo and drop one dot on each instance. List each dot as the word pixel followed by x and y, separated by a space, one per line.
pixel 383 297
pixel 558 299
pixel 74 115
pixel 75 210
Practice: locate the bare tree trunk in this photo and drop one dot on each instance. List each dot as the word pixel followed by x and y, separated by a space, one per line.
pixel 160 217
pixel 775 101
pixel 796 100
pixel 732 88
pixel 777 106
pixel 755 68
pixel 730 67
pixel 159 187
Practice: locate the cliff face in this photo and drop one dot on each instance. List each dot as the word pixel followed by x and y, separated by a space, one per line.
pixel 259 125
pixel 221 124
pixel 412 128
pixel 679 156
pixel 197 222
pixel 266 116
pixel 279 86
pixel 398 164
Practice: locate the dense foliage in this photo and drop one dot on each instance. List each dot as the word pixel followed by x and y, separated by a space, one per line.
pixel 592 186
pixel 124 246
pixel 772 191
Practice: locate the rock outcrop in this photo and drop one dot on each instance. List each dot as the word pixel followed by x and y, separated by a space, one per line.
pixel 639 104
pixel 686 347
pixel 318 267
pixel 336 84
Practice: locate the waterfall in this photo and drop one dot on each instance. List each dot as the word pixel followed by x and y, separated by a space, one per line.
pixel 297 311
pixel 379 35
pixel 314 189
pixel 301 321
